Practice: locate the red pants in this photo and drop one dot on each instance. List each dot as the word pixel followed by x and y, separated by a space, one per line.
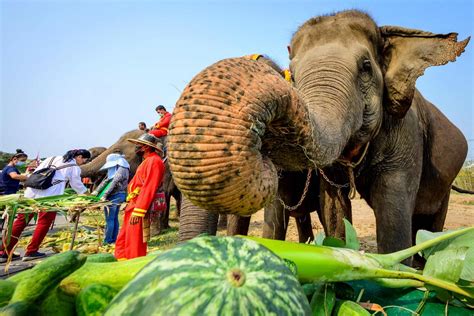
pixel 158 132
pixel 129 242
pixel 45 219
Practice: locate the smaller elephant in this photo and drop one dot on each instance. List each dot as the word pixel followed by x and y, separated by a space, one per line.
pixel 96 151
pixel 127 149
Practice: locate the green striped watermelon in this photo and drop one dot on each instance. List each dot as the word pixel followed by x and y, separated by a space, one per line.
pixel 213 276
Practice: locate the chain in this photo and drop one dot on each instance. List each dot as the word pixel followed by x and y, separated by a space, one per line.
pixel 334 184
pixel 350 171
pixel 305 191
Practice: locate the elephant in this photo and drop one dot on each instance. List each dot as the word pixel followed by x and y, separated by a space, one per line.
pixel 96 151
pixel 127 148
pixel 120 146
pixel 195 220
pixel 353 112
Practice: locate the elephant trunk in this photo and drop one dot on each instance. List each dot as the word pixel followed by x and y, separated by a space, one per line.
pixel 122 146
pixel 235 124
pixel 326 85
pixel 91 169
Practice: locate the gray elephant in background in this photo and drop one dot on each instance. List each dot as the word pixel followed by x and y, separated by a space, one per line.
pixel 122 146
pixel 353 113
pixel 96 151
pixel 127 149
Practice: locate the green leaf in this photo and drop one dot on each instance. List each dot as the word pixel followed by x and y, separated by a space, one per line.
pixel 334 242
pixel 352 242
pixel 465 240
pixel 446 264
pixel 319 239
pixel 468 269
pixel 323 300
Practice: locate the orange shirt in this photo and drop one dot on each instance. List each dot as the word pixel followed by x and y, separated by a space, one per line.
pixel 145 183
pixel 164 122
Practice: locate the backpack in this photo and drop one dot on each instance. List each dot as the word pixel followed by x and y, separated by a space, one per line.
pixel 42 179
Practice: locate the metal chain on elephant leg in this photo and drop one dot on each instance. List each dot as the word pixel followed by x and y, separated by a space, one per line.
pixel 305 191
pixel 350 172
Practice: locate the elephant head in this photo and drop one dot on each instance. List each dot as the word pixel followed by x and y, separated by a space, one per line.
pixel 351 72
pixel 238 122
pixel 123 146
pixel 96 151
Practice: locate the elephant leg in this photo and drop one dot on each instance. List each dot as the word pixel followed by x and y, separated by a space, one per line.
pixel 275 221
pixel 335 206
pixel 157 224
pixel 194 221
pixel 305 230
pixel 213 219
pixel 177 198
pixel 222 223
pixel 237 225
pixel 166 216
pixel 431 222
pixel 392 197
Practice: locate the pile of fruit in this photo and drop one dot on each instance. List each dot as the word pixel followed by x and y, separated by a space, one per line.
pixel 249 276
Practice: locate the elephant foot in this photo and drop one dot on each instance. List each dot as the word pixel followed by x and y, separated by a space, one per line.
pixel 158 224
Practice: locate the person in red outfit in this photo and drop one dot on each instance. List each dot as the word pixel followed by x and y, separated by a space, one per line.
pixel 132 238
pixel 161 128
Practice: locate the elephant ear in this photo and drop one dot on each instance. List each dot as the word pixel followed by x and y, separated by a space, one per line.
pixel 406 55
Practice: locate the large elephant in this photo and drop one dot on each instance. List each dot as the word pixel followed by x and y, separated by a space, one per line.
pixel 127 148
pixel 354 99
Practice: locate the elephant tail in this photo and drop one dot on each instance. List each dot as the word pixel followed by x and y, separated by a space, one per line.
pixel 461 190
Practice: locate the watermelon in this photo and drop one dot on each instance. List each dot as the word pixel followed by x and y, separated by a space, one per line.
pixel 93 300
pixel 213 276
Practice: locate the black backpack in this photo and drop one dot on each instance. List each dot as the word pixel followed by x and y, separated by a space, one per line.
pixel 42 179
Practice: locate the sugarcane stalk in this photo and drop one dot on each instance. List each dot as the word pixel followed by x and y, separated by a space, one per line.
pixel 76 223
pixel 385 273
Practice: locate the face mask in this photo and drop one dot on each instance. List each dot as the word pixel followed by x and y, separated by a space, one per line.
pixel 161 115
pixel 139 151
pixel 20 163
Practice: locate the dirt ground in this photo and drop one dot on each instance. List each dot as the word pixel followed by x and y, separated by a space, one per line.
pixel 460 214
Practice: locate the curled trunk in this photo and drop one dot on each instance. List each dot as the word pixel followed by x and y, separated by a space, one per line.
pixel 234 126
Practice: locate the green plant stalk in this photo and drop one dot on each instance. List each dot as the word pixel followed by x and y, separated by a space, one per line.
pixel 385 273
pixel 327 264
pixel 388 260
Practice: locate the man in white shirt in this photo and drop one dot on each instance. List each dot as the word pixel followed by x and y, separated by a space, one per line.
pixel 68 171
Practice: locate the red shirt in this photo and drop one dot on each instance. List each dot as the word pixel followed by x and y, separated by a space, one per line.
pixel 145 183
pixel 164 121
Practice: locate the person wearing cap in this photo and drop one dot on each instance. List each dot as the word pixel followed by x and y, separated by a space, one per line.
pixel 160 129
pixel 114 189
pixel 67 170
pixel 11 176
pixel 134 233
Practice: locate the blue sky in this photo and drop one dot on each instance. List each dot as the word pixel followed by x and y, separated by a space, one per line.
pixel 81 73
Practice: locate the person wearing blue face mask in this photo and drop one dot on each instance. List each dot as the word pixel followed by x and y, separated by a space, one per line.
pixel 113 188
pixel 11 176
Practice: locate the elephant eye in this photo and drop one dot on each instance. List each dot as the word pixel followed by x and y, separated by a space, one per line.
pixel 366 65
